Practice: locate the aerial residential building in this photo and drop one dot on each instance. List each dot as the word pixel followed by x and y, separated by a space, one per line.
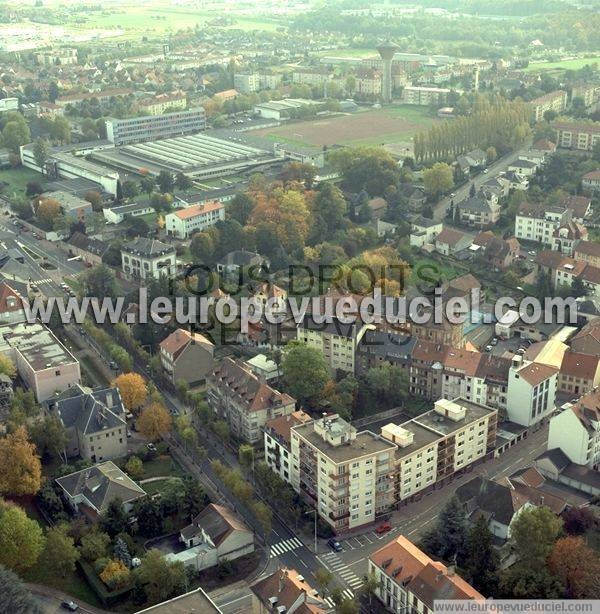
pixel 531 391
pixel 94 421
pixel 337 341
pixel 145 258
pixel 152 127
pixel 115 215
pixel 579 373
pixel 163 102
pixel 587 340
pixel 277 441
pixel 590 182
pixel 567 235
pixel 424 231
pixel 553 101
pixel 186 356
pixel 346 475
pixel 588 252
pixel 285 590
pixel 450 241
pixel 185 222
pixel 246 83
pixel 311 76
pixel 240 397
pixel 409 581
pixel 438 443
pixel 215 535
pixel 479 211
pixel 576 430
pixel 537 222
pixel 92 489
pixel 43 363
pixel 522 167
pixel 581 135
pixel 425 96
pixel 580 206
pixel 368 82
pixel 57 57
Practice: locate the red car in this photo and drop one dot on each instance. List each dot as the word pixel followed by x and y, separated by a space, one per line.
pixel 383 528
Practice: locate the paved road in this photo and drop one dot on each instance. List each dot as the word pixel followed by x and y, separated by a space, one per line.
pixel 49 600
pixel 462 193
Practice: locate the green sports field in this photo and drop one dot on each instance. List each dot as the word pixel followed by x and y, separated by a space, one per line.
pixel 572 64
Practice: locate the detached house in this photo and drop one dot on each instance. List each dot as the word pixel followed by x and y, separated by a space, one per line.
pixel 479 212
pixel 590 182
pixel 241 398
pixel 94 421
pixel 147 258
pixel 450 241
pixel 186 356
pixel 215 535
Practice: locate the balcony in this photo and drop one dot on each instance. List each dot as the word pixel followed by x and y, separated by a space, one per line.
pixel 335 516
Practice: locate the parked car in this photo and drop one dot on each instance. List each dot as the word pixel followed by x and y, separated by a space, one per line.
pixel 488 348
pixel 151 447
pixel 384 527
pixel 521 351
pixel 494 341
pixel 334 544
pixel 69 605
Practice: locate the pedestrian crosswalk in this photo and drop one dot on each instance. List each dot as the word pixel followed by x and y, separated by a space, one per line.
pixel 334 563
pixel 47 280
pixel 285 546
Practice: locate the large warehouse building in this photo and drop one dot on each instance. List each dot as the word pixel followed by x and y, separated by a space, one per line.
pixel 199 156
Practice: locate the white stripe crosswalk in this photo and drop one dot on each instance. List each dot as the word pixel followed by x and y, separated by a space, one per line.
pixel 334 563
pixel 285 546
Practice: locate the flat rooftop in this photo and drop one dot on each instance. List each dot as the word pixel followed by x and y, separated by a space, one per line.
pixel 445 426
pixel 36 343
pixel 364 444
pixel 193 154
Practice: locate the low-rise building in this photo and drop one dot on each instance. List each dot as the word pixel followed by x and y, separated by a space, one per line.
pixel 88 249
pixel 580 135
pixel 94 421
pixel 215 535
pixel 410 581
pixel 91 490
pixel 42 361
pixel 450 241
pixel 285 590
pixel 185 222
pixel 588 252
pixel 424 231
pixel 115 215
pixel 576 430
pixel 163 102
pixel 186 356
pixel 566 237
pixel 145 258
pixel 590 182
pixel 587 340
pixel 240 397
pixel 536 222
pixel 479 211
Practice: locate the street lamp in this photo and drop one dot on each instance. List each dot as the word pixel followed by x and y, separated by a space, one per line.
pixel 315 513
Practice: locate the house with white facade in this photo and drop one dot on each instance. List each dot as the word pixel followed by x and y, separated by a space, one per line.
pixel 185 222
pixel 145 258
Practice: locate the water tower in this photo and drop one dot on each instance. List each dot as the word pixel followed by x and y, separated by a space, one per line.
pixel 387 51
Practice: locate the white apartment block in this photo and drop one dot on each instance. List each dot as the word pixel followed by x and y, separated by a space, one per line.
pixel 553 101
pixel 352 478
pixel 531 391
pixel 246 83
pixel 424 96
pixel 577 135
pixel 537 223
pixel 345 475
pixel 185 222
pixel 576 430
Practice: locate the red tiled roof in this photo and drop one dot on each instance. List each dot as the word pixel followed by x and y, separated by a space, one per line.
pixel 536 373
pixel 579 365
pixel 185 214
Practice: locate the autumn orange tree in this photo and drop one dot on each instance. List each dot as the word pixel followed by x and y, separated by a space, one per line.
pixel 20 466
pixel 133 390
pixel 577 566
pixel 115 574
pixel 154 421
pixel 47 211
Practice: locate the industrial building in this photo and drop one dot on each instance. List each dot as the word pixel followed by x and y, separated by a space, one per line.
pixel 199 156
pixel 152 127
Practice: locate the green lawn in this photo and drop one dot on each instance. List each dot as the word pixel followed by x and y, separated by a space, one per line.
pixel 411 113
pixel 574 64
pixel 157 486
pixel 13 182
pixel 162 466
pixel 426 271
